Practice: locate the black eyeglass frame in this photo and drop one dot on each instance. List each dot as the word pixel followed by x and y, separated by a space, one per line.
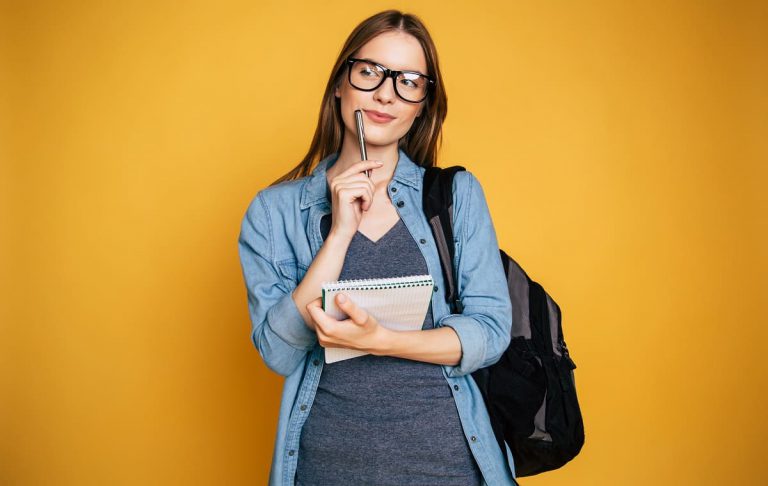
pixel 389 73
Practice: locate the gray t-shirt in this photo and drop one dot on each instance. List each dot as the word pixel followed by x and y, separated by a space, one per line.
pixel 382 420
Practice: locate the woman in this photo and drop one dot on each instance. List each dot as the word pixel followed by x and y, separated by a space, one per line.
pixel 409 412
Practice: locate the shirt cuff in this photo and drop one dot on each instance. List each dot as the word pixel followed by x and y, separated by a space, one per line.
pixel 472 337
pixel 284 319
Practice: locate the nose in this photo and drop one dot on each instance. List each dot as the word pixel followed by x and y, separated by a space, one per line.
pixel 385 93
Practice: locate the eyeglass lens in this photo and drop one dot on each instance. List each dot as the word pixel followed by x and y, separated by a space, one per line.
pixel 366 75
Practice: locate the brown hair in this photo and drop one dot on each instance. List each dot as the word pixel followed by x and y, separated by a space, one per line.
pixel 423 140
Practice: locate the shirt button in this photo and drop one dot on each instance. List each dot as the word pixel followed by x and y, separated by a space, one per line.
pixel 456 387
pixel 435 288
pixel 473 439
pixel 303 407
pixel 316 362
pixel 394 189
pixel 291 452
pixel 400 204
pixel 422 241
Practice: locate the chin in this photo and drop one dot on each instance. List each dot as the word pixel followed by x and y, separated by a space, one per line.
pixel 380 142
pixel 381 137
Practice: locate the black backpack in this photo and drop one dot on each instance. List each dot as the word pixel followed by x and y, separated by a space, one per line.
pixel 530 393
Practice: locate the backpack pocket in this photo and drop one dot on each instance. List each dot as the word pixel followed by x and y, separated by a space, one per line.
pixel 518 384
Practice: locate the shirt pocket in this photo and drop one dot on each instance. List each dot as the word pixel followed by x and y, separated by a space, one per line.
pixel 292 272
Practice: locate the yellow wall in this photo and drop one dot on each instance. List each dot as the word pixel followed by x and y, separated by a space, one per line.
pixel 622 146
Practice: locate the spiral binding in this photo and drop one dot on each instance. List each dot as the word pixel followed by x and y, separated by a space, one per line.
pixel 379 283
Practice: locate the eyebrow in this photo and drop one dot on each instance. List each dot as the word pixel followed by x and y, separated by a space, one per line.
pixel 408 70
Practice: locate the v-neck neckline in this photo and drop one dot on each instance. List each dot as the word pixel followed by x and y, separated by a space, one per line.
pixel 399 220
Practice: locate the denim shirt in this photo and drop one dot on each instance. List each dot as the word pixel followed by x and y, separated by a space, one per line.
pixel 280 236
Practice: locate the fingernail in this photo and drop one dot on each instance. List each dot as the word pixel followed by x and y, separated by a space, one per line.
pixel 379 163
pixel 342 298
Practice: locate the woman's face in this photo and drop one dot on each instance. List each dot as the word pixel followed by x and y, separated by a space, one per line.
pixel 396 51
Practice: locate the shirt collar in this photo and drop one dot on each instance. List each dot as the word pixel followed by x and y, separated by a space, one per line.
pixel 315 190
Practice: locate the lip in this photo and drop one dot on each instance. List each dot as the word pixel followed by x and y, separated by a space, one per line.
pixel 379 117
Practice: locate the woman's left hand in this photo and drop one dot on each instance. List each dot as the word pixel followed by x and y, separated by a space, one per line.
pixel 360 331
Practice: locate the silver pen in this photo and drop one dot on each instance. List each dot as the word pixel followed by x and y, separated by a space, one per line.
pixel 361 138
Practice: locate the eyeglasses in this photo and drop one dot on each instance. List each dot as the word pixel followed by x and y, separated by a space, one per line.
pixel 411 86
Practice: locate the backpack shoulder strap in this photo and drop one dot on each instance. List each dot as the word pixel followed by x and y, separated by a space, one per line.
pixel 437 202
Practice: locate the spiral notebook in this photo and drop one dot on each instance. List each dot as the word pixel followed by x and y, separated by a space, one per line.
pixel 397 303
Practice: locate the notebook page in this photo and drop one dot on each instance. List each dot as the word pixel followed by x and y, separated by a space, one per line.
pixel 399 303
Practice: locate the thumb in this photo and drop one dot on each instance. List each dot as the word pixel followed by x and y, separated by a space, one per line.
pixel 356 313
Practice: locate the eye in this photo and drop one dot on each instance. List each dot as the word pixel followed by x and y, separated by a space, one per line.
pixel 368 70
pixel 412 80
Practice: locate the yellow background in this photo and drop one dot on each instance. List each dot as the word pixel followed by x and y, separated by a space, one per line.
pixel 622 147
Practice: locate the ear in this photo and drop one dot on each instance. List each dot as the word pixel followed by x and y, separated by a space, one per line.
pixel 337 90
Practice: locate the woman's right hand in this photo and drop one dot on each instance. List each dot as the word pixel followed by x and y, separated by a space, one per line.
pixel 351 194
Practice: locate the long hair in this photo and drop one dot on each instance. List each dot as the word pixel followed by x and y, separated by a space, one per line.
pixel 424 138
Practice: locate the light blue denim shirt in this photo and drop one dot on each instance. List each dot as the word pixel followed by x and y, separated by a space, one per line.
pixel 279 238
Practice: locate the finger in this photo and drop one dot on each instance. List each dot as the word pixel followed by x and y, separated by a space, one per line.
pixel 350 194
pixel 318 302
pixel 324 324
pixel 353 185
pixel 366 195
pixel 361 180
pixel 321 335
pixel 361 166
pixel 368 202
pixel 356 181
pixel 318 315
pixel 356 313
pixel 346 181
pixel 314 305
pixel 360 177
pixel 323 339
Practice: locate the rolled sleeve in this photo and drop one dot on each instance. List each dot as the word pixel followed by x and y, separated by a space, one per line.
pixel 278 330
pixel 484 327
pixel 472 338
pixel 293 330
